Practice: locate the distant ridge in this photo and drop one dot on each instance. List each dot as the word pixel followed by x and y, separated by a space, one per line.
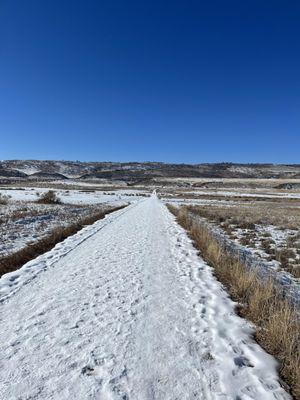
pixel 134 172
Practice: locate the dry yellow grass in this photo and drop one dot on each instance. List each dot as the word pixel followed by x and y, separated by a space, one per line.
pixel 248 216
pixel 283 215
pixel 277 322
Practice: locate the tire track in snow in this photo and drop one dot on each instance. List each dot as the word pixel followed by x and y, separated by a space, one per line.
pixel 131 313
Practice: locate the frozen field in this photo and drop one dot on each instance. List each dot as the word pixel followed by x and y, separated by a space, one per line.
pixel 125 309
pixel 24 221
pixel 88 196
pixel 269 229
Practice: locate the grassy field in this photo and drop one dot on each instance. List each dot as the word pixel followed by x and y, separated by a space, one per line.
pixel 269 228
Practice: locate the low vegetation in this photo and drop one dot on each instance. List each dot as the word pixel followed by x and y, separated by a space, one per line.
pixel 283 216
pixel 277 322
pixel 230 198
pixel 49 197
pixel 3 200
pixel 15 260
pixel 249 225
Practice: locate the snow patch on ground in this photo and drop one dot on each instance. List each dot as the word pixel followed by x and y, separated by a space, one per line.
pixel 28 170
pixel 74 196
pixel 24 223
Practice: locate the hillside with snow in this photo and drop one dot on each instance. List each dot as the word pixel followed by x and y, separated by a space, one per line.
pixel 137 172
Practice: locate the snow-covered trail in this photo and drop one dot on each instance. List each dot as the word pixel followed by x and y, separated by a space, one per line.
pixel 130 313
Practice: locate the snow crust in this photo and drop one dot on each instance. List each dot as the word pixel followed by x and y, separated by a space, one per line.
pixel 126 309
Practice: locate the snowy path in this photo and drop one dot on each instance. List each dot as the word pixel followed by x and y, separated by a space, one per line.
pixel 131 313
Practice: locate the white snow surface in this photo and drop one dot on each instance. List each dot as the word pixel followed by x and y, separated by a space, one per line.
pixel 126 309
pixel 73 196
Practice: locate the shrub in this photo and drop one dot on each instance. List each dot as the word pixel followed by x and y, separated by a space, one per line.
pixel 3 199
pixel 49 197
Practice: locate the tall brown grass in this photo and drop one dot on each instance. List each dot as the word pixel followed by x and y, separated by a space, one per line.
pixel 277 322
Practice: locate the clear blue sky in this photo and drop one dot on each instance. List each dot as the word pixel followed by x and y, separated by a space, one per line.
pixel 174 81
